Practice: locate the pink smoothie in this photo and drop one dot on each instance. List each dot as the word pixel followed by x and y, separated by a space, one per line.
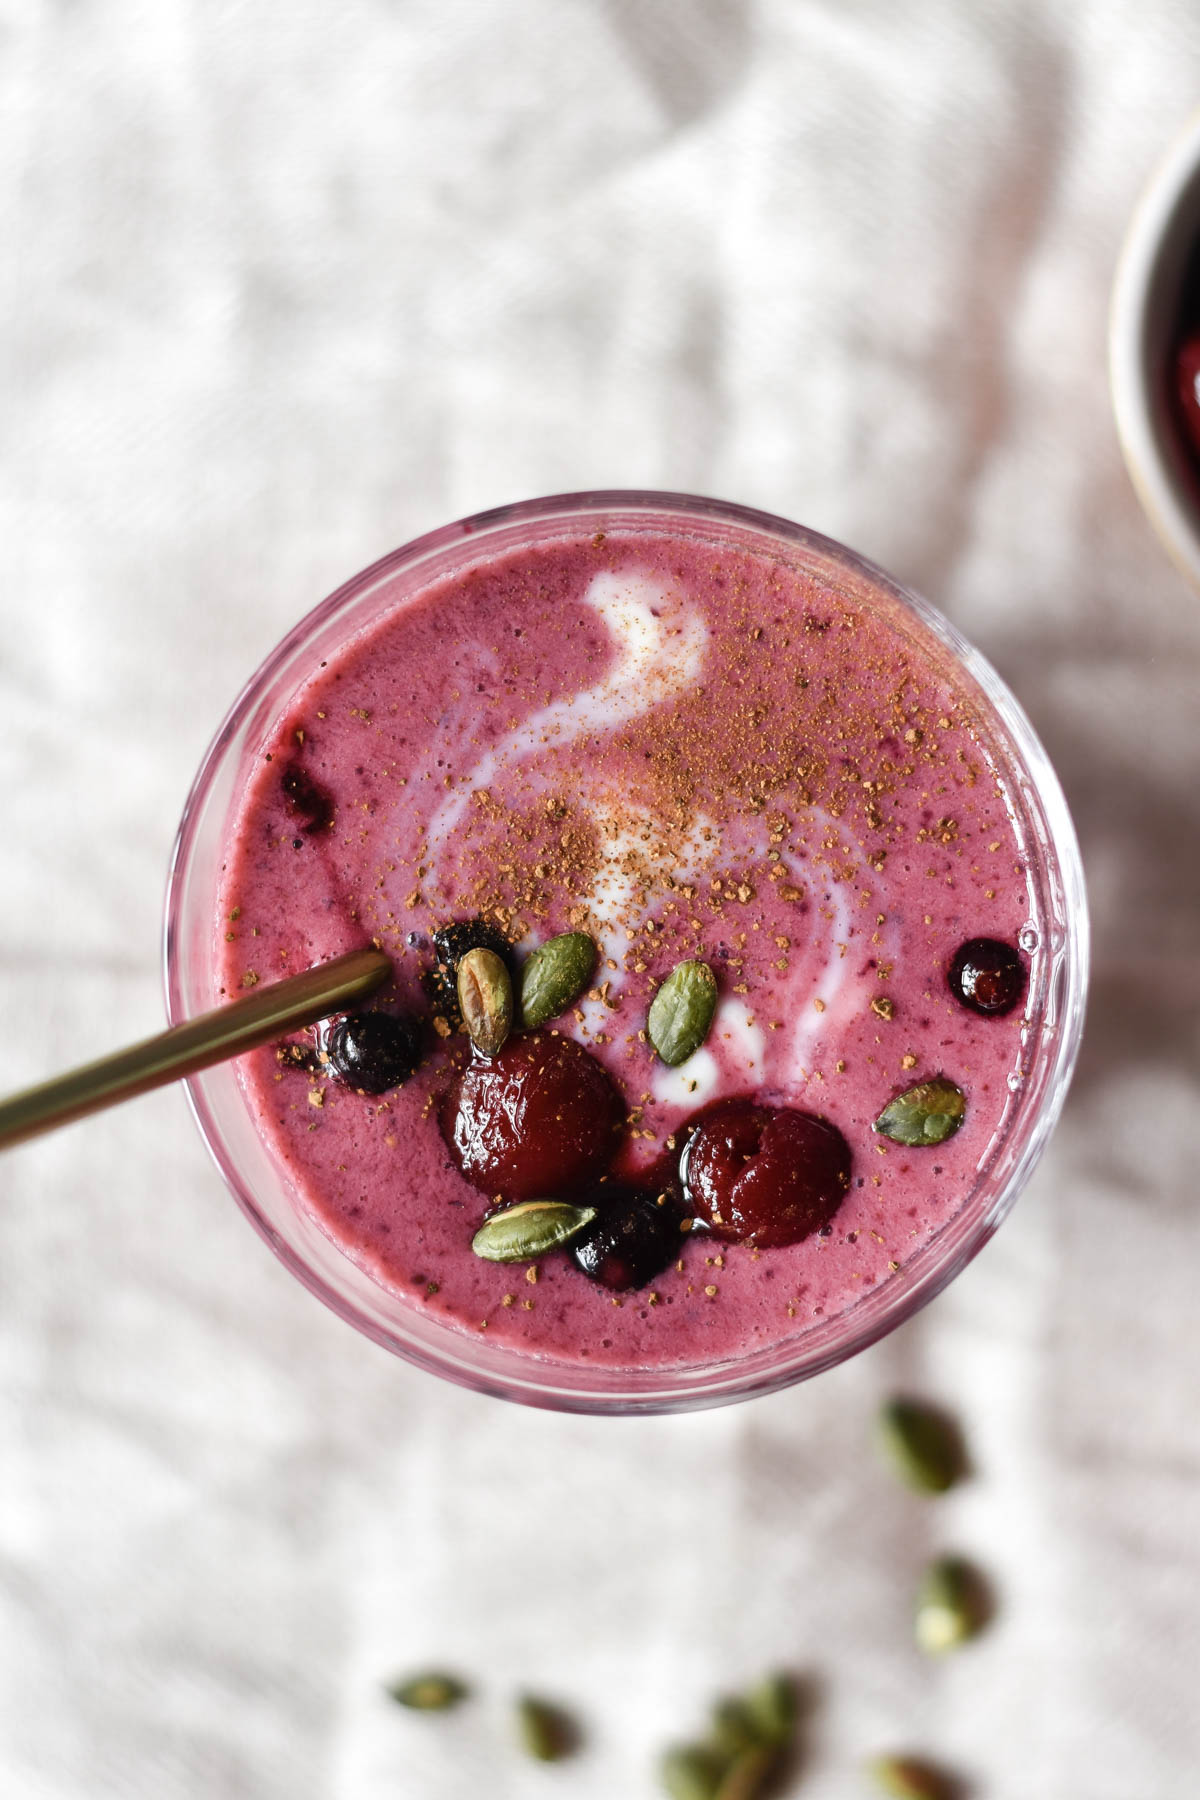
pixel 685 752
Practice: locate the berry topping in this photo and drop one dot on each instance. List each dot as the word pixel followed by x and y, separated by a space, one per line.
pixel 540 1118
pixel 1187 389
pixel 767 1174
pixel 451 943
pixel 987 976
pixel 374 1051
pixel 633 1237
pixel 311 803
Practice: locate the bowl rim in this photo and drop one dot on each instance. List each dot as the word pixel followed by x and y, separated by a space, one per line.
pixel 1151 240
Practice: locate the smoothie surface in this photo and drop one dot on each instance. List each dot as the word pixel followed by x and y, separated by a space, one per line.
pixel 688 752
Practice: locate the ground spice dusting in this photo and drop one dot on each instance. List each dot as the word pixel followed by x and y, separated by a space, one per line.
pixel 523 851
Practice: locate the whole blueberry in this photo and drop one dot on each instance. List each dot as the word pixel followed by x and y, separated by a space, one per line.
pixel 633 1237
pixel 987 976
pixel 374 1051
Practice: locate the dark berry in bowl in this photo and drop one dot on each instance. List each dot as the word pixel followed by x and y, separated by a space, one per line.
pixel 765 1175
pixel 309 802
pixel 987 976
pixel 374 1051
pixel 634 1236
pixel 1187 391
pixel 539 1119
pixel 450 944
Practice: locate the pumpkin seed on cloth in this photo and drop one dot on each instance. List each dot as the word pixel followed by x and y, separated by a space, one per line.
pixel 910 1778
pixel 923 1445
pixel 547 1733
pixel 431 1691
pixel 952 1605
pixel 746 1746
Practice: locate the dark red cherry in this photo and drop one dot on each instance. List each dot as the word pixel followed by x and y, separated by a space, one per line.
pixel 987 976
pixel 536 1122
pixel 633 1237
pixel 769 1175
pixel 1187 390
pixel 374 1051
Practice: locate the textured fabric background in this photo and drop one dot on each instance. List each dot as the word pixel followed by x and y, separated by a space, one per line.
pixel 283 284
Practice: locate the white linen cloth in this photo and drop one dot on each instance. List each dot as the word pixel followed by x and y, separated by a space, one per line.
pixel 284 284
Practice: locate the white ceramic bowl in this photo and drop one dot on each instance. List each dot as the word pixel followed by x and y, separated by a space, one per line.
pixel 1162 239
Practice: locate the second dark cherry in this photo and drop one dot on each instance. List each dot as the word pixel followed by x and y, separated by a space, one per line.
pixel 765 1175
pixel 987 976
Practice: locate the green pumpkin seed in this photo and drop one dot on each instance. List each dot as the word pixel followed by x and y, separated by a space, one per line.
pixel 951 1606
pixel 681 1013
pixel 486 998
pixel 771 1709
pixel 430 1692
pixel 924 1446
pixel 926 1114
pixel 907 1778
pixel 555 975
pixel 747 1774
pixel 531 1229
pixel 545 1731
pixel 693 1772
pixel 749 1733
pixel 733 1729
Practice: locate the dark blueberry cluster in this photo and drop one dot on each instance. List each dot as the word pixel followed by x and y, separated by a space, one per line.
pixel 310 803
pixel 539 1120
pixel 374 1051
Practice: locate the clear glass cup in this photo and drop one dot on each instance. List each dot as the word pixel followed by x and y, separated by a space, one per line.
pixel 1055 1001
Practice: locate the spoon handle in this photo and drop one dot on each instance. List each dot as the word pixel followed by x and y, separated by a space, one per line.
pixel 196 1044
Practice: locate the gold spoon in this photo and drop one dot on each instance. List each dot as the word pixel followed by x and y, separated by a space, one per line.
pixel 196 1044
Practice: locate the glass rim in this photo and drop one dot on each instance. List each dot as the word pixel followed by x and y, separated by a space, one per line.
pixel 553 1383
